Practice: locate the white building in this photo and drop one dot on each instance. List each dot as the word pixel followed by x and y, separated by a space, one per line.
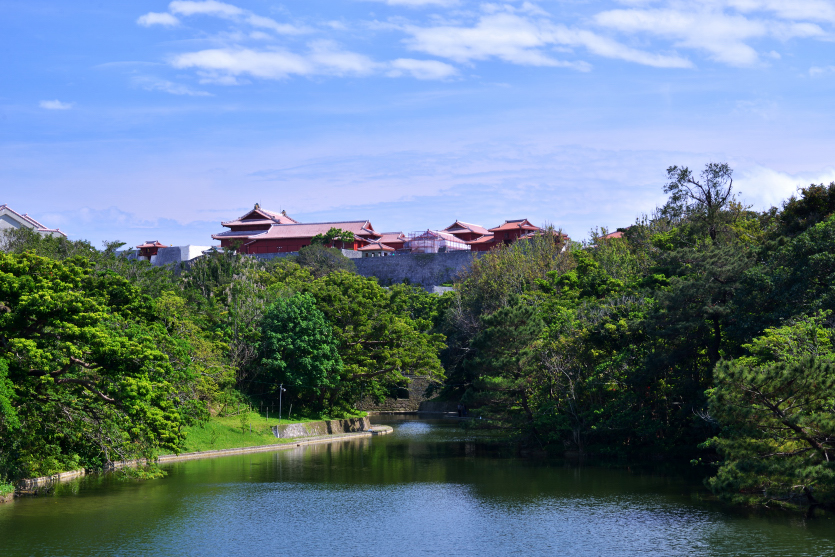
pixel 9 218
pixel 434 241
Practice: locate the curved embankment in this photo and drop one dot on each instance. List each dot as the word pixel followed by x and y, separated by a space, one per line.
pixel 311 433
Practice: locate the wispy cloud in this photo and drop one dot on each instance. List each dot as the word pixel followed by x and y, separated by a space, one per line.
pixel 158 18
pixel 524 39
pixel 150 83
pixel 229 11
pixel 721 29
pixel 418 3
pixel 421 69
pixel 321 59
pixel 816 71
pixel 55 105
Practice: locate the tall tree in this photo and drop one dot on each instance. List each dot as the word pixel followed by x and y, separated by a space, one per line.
pixel 89 383
pixel 298 349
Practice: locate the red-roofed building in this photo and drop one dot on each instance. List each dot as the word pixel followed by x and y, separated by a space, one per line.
pixel 283 238
pixel 149 248
pixel 483 243
pixel 376 249
pixel 465 231
pixel 612 236
pixel 395 240
pixel 254 222
pixel 512 230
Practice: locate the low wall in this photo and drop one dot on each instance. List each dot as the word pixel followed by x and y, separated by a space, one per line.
pixel 45 482
pixel 424 269
pixel 327 427
pixel 177 254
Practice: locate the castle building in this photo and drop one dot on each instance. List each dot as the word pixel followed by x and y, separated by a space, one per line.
pixel 262 231
pixel 9 218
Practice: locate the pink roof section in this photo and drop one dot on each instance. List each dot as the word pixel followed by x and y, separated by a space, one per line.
pixel 612 236
pixel 437 233
pixel 461 226
pixel 376 246
pixel 35 224
pixel 392 237
pixel 517 224
pixel 261 216
pixel 486 239
pixel 152 244
pixel 360 228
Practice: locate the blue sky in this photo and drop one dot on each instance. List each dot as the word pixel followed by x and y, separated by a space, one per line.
pixel 157 120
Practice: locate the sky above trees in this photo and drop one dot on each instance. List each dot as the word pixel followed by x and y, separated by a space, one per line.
pixel 156 120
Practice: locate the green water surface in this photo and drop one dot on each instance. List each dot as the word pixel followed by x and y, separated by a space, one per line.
pixel 430 488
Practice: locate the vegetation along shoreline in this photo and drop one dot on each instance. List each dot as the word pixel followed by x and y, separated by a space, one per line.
pixel 702 332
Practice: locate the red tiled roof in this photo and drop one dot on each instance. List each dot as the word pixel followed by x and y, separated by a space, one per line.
pixel 360 228
pixel 392 237
pixel 261 216
pixel 486 239
pixel 517 224
pixel 376 246
pixel 152 244
pixel 461 225
pixel 613 235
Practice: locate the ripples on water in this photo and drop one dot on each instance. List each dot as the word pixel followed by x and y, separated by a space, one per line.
pixel 428 489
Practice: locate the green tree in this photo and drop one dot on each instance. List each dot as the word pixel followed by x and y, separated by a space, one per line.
pixel 89 384
pixel 702 200
pixel 777 411
pixel 321 260
pixel 298 349
pixel 332 237
pixel 378 346
pixel 507 362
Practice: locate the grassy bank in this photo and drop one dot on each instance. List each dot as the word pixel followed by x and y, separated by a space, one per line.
pixel 231 432
pixel 6 488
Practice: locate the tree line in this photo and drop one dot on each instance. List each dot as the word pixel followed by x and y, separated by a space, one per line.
pixel 703 333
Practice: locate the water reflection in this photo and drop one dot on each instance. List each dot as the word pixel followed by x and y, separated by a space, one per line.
pixel 430 488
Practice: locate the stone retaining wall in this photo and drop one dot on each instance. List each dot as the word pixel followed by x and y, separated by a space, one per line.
pixel 423 269
pixel 327 427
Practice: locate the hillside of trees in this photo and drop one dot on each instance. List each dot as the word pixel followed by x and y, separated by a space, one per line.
pixel 704 333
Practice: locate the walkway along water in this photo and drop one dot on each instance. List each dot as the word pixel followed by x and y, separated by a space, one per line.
pixel 32 485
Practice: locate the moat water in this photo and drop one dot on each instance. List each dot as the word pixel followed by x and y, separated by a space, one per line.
pixel 430 488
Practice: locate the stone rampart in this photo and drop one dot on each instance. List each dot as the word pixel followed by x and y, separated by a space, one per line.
pixel 424 269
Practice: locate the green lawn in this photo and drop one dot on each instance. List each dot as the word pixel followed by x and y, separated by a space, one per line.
pixel 226 432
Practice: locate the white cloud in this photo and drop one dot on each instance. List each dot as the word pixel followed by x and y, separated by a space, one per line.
pixel 157 18
pixel 421 69
pixel 707 27
pixel 150 83
pixel 816 71
pixel 523 40
pixel 323 59
pixel 228 11
pixel 765 187
pixel 419 3
pixel 814 10
pixel 206 7
pixel 56 105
